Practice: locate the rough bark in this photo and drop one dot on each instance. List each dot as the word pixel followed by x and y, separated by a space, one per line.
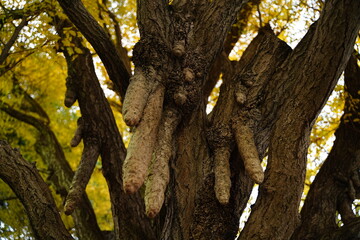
pixel 39 204
pixel 338 176
pixel 301 95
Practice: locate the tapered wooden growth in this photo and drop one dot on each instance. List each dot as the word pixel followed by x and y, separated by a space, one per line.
pixel 136 98
pixel 78 134
pixel 142 143
pixel 159 173
pixel 70 94
pixel 82 176
pixel 247 149
pixel 222 174
pixel 179 48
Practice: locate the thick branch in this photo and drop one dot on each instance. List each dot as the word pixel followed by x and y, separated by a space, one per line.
pixel 260 60
pixel 39 204
pixel 327 192
pixel 305 90
pixel 101 42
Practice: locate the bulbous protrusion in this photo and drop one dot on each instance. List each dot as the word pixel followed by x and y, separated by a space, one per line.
pixel 179 48
pixel 180 98
pixel 188 75
pixel 240 98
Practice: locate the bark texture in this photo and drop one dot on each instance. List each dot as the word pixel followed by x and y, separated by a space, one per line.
pixel 200 169
pixel 39 204
pixel 337 183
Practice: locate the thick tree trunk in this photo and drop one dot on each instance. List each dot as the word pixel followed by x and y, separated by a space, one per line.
pixel 33 192
pixel 337 183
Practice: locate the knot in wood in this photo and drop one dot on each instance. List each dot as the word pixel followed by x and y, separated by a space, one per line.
pixel 149 51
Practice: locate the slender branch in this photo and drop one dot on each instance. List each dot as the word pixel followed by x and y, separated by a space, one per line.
pixel 10 43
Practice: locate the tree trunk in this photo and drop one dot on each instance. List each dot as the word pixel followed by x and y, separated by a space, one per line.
pixel 172 61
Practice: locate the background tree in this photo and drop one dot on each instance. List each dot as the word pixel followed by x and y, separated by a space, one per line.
pixel 185 174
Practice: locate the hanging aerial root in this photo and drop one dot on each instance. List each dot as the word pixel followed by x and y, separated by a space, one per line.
pixel 136 97
pixel 222 174
pixel 159 173
pixel 82 177
pixel 247 149
pixel 70 94
pixel 142 143
pixel 78 134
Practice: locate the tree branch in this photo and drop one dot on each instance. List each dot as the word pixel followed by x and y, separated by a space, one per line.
pixel 10 43
pixel 101 42
pixel 39 204
pixel 327 192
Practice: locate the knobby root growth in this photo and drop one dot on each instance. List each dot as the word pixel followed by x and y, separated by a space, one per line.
pixel 247 149
pixel 159 173
pixel 222 174
pixel 142 143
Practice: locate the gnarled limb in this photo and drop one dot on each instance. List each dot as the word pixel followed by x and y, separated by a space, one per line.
pixel 39 204
pixel 262 57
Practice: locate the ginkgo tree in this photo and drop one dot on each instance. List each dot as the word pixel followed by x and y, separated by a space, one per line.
pixel 185 173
